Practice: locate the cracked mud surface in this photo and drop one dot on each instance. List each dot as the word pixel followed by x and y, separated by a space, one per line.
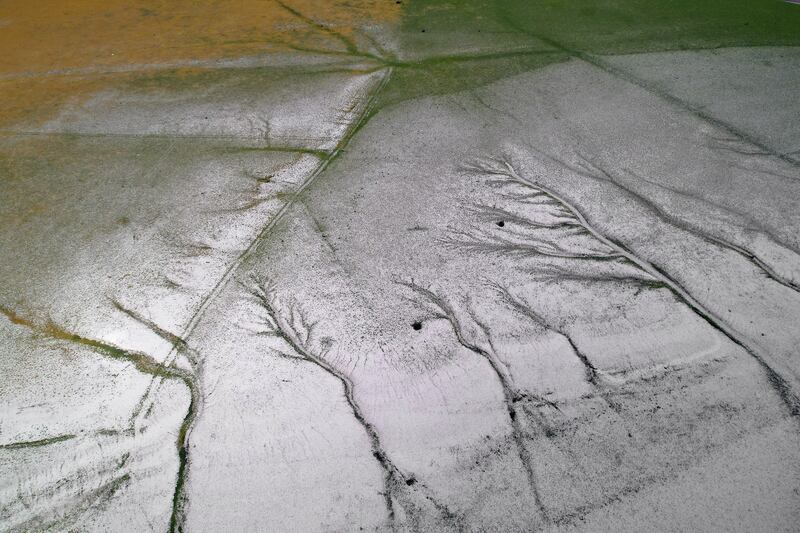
pixel 400 266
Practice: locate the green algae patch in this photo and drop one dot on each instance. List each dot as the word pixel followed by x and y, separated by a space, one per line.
pixel 437 76
pixel 632 26
pixel 451 47
pixel 36 443
pixel 461 45
pixel 610 26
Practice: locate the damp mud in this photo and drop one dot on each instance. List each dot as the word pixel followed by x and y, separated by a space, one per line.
pixel 490 265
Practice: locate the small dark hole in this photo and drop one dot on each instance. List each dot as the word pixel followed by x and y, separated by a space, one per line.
pixel 501 223
pixel 512 414
pixel 417 325
pixel 423 31
pixel 410 481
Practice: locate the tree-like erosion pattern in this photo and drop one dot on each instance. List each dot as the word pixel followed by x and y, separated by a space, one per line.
pixel 488 265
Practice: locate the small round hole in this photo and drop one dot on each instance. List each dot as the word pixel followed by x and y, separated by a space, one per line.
pixel 417 325
pixel 500 223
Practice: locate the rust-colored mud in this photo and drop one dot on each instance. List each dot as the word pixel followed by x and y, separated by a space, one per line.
pixel 55 52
